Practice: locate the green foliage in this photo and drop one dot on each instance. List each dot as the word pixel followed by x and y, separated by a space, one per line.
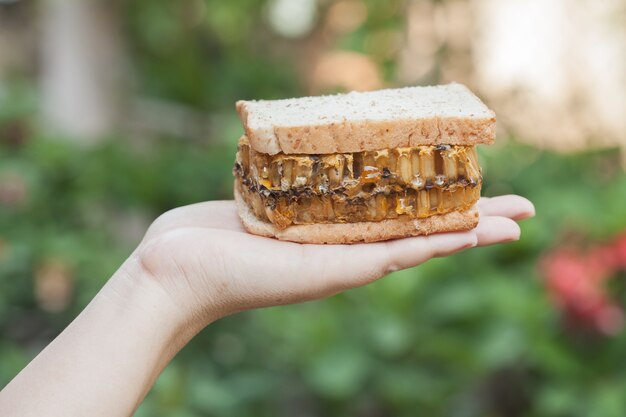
pixel 471 335
pixel 206 53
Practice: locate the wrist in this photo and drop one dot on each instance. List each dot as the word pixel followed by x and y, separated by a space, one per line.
pixel 142 298
pixel 162 296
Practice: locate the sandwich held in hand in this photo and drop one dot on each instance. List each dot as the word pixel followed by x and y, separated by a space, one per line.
pixel 362 167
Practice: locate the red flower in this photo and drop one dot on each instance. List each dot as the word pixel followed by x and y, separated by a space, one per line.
pixel 576 281
pixel 620 251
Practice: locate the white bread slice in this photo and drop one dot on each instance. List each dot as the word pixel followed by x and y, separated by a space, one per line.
pixel 363 232
pixel 355 122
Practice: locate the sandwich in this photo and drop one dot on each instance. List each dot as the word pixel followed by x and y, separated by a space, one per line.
pixel 362 166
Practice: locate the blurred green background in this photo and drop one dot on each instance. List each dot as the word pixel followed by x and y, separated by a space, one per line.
pixel 112 112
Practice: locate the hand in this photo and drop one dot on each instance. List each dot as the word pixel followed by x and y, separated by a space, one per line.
pixel 195 265
pixel 210 267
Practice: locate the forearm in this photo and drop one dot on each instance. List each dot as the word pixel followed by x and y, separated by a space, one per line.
pixel 107 359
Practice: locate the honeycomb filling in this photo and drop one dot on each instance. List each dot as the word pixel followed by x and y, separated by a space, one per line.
pixel 415 182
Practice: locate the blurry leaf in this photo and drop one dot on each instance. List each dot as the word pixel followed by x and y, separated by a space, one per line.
pixel 406 385
pixel 338 373
pixel 460 301
pixel 555 400
pixel 170 388
pixel 608 399
pixel 211 395
pixel 501 345
pixel 13 360
pixel 390 335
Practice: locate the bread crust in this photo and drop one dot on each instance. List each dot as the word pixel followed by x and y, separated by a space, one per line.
pixel 357 132
pixel 349 137
pixel 363 232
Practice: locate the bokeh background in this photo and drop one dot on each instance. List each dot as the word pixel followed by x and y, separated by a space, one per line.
pixel 114 111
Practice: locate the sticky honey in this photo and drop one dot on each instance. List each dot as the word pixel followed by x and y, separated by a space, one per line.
pixel 366 186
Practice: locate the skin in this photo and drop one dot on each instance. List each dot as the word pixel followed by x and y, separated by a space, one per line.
pixel 187 273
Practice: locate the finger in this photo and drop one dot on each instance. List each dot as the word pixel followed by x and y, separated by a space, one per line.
pixel 496 229
pixel 409 252
pixel 210 214
pixel 223 214
pixel 349 266
pixel 368 262
pixel 511 206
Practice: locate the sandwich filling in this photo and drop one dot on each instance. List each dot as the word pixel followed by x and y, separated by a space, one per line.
pixel 415 182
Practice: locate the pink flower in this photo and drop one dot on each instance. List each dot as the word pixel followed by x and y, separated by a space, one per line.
pixel 577 284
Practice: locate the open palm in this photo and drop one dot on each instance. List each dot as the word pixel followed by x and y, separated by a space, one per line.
pixel 207 262
pixel 195 265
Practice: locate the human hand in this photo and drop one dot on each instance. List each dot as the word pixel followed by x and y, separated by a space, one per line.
pixel 210 267
pixel 195 265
